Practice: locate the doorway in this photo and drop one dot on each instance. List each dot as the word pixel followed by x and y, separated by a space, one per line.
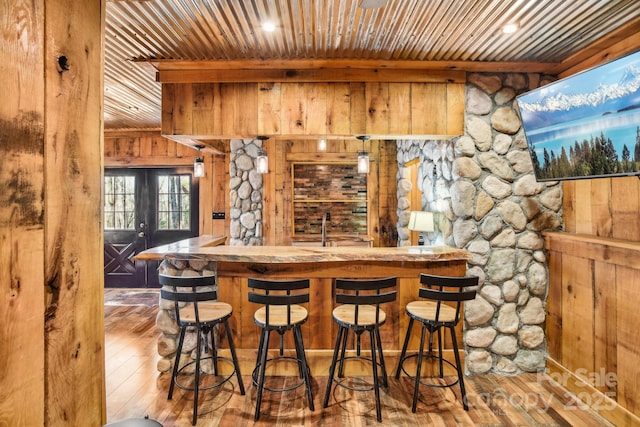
pixel 144 208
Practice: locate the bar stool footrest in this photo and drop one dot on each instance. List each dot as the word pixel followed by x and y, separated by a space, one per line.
pixel 423 382
pixel 338 380
pixel 254 374
pixel 203 374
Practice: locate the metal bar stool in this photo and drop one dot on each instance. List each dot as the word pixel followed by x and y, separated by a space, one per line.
pixel 360 312
pixel 434 315
pixel 196 307
pixel 282 312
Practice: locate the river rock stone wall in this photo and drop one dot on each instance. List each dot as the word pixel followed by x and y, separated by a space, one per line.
pixel 166 319
pixel 486 200
pixel 245 195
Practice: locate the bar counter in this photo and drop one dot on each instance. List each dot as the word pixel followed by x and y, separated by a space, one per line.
pixel 235 264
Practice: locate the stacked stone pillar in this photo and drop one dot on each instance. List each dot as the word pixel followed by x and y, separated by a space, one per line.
pixel 486 200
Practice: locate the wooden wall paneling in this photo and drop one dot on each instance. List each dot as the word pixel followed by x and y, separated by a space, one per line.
pixel 400 108
pixel 599 338
pixel 110 147
pixel 205 196
pixel 338 108
pixel 387 233
pixel 183 109
pixel 605 325
pixel 373 194
pixel 625 206
pixel 207 108
pixel 455 108
pixel 220 192
pixel 269 108
pixel 583 206
pixel 320 306
pixel 269 184
pixel 285 189
pixel 601 207
pixel 553 319
pixel 293 108
pixel 628 337
pixel 577 313
pixel 568 206
pixel 74 330
pixel 22 239
pixel 168 101
pixel 358 101
pixel 246 109
pixel 429 108
pixel 228 292
pixel 160 148
pixel 146 147
pixel 316 109
pixel 377 113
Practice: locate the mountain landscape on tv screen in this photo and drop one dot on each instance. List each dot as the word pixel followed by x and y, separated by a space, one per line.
pixel 587 124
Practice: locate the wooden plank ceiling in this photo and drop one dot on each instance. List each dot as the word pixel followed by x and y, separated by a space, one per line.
pixel 145 35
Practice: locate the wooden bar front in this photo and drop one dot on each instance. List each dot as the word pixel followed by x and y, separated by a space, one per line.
pixel 235 264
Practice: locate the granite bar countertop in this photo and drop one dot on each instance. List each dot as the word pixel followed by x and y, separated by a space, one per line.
pixel 212 248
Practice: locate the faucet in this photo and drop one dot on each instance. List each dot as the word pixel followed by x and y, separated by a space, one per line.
pixel 325 217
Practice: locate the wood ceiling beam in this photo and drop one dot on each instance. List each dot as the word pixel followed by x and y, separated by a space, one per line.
pixel 256 71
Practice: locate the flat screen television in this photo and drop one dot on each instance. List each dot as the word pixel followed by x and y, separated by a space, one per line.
pixel 586 125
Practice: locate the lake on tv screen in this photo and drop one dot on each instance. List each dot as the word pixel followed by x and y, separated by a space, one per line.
pixel 599 134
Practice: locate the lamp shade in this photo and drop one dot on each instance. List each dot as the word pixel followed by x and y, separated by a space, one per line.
pixel 363 162
pixel 262 162
pixel 421 221
pixel 198 167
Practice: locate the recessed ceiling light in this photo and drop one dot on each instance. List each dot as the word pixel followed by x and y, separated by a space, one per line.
pixel 268 26
pixel 510 28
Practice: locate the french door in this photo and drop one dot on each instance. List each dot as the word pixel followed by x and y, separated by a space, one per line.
pixel 144 208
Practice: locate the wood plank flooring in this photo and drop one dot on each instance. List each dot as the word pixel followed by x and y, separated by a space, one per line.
pixel 135 389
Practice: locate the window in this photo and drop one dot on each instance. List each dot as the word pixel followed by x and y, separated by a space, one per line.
pixel 119 202
pixel 174 202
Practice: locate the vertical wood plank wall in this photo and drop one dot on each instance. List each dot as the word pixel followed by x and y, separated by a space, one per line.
pixel 605 207
pixel 592 321
pixel 51 322
pixel 292 109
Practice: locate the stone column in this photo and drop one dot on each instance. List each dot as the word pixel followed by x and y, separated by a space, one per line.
pixel 486 200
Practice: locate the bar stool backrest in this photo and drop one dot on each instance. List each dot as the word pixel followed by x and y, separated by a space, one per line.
pixel 279 292
pixel 188 289
pixel 366 292
pixel 443 289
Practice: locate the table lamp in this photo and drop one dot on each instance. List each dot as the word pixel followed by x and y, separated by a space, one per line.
pixel 421 221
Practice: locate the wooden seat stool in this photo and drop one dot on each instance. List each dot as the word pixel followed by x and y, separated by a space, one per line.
pixel 434 315
pixel 281 312
pixel 196 307
pixel 360 312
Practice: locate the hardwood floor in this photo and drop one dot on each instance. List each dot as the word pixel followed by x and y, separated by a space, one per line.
pixel 135 389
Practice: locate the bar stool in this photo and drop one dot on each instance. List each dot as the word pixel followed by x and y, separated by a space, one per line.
pixel 360 312
pixel 282 312
pixel 196 307
pixel 434 315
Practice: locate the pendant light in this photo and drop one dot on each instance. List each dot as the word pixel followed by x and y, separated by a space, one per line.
pixel 262 160
pixel 363 156
pixel 198 163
